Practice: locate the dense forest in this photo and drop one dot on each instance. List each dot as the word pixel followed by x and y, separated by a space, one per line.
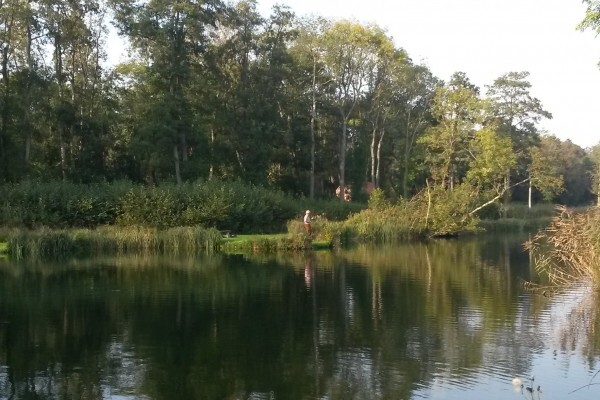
pixel 304 105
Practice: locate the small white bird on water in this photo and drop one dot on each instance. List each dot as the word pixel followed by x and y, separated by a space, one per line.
pixel 517 384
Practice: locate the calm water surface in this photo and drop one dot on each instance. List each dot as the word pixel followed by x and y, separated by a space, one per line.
pixel 442 320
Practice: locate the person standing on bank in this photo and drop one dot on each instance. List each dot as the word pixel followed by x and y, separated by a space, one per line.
pixel 307 224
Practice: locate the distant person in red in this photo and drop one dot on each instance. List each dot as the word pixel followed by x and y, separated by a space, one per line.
pixel 307 224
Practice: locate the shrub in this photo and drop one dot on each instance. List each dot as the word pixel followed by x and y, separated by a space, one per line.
pixel 377 200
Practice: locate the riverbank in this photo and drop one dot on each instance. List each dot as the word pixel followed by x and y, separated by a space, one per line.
pixel 379 224
pixel 269 243
pixel 47 243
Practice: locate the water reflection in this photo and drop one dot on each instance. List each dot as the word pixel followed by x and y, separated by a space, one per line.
pixel 445 319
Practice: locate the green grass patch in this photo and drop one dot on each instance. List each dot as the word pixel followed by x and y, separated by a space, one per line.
pixel 271 243
pixel 3 249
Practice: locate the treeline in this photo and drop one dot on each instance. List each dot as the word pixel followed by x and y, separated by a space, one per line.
pixel 218 91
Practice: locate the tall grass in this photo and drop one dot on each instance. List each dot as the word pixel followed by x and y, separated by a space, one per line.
pixel 267 243
pixel 523 212
pixel 45 242
pixel 568 250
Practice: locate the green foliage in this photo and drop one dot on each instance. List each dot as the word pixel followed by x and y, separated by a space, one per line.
pixel 492 159
pixel 592 16
pixel 216 91
pixel 60 204
pixel 434 212
pixel 457 109
pixel 234 206
pixel 377 200
pixel 267 243
pixel 547 169
pixel 450 211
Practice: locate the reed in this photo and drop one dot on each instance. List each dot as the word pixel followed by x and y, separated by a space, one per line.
pixel 47 242
pixel 521 211
pixel 189 240
pixel 514 225
pixel 385 224
pixel 568 250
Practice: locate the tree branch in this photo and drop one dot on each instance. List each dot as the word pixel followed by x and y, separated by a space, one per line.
pixel 497 197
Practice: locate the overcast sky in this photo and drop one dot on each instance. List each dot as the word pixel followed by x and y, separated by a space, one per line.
pixel 488 38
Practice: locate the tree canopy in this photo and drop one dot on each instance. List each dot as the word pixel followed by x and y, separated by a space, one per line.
pixel 214 90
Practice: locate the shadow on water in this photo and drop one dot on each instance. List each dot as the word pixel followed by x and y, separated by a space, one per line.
pixel 443 319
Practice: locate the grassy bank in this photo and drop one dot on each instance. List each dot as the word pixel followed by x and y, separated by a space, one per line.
pixel 50 243
pixel 271 243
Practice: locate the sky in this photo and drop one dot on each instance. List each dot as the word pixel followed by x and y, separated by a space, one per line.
pixel 487 39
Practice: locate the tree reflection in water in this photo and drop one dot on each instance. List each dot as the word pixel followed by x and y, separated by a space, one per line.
pixel 447 319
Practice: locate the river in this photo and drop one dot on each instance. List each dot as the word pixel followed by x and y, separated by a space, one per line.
pixel 447 319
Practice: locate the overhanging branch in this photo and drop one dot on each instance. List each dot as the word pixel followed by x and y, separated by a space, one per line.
pixel 498 196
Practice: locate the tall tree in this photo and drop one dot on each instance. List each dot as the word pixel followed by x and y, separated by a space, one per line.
pixel 383 84
pixel 168 35
pixel 546 171
pixel 457 109
pixel 516 112
pixel 594 156
pixel 350 56
pixel 308 52
pixel 416 88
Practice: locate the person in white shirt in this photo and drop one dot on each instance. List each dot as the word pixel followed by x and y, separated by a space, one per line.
pixel 307 224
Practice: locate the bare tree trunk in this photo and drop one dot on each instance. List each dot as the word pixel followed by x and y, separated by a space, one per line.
pixel 506 193
pixel 28 50
pixel 313 117
pixel 60 124
pixel 240 161
pixel 4 126
pixel 377 182
pixel 184 147
pixel 212 146
pixel 63 154
pixel 343 158
pixel 428 204
pixel 373 153
pixel 529 193
pixel 177 171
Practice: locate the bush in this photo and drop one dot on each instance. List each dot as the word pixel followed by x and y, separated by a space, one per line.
pixel 60 204
pixel 377 200
pixel 235 206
